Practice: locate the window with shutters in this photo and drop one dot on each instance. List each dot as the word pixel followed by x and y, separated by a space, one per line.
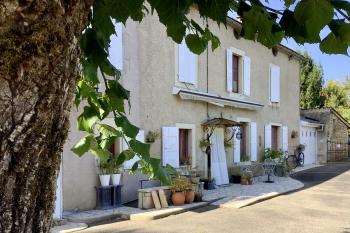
pixel 184 147
pixel 187 65
pixel 238 72
pixel 274 83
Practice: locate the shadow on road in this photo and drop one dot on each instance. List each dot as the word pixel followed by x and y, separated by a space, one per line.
pixel 318 175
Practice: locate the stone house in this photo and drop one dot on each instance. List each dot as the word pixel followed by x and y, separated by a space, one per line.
pixel 331 134
pixel 174 91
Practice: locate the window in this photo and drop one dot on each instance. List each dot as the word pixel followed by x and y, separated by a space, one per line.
pixel 274 137
pixel 187 65
pixel 238 72
pixel 274 83
pixel 184 156
pixel 235 73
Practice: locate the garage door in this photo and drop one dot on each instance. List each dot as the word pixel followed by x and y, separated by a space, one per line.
pixel 308 138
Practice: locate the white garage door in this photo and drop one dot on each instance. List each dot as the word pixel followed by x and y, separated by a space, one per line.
pixel 308 138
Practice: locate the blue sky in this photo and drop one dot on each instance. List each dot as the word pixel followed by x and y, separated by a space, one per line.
pixel 335 67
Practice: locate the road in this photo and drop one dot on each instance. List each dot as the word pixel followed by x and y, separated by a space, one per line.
pixel 322 206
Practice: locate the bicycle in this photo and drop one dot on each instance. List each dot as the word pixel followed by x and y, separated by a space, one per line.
pixel 294 161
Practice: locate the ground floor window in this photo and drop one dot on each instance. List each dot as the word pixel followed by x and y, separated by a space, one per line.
pixel 274 137
pixel 184 156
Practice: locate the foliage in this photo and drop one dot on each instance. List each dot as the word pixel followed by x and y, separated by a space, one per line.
pixel 236 171
pixel 259 23
pixel 227 144
pixel 311 82
pixel 272 154
pixel 104 167
pixel 245 158
pixel 180 184
pixel 204 143
pixel 247 175
pixel 152 136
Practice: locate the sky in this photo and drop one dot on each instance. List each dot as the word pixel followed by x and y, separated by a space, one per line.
pixel 335 67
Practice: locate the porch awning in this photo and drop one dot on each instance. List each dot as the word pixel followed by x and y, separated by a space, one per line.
pixel 221 122
pixel 215 99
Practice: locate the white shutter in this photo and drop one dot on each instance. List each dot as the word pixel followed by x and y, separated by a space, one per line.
pixel 267 136
pixel 187 64
pixel 246 76
pixel 284 138
pixel 140 137
pixel 229 69
pixel 253 142
pixel 236 149
pixel 170 148
pixel 274 83
pixel 116 47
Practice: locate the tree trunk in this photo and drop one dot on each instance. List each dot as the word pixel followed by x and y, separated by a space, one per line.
pixel 39 50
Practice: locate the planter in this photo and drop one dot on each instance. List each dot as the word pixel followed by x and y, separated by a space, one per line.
pixel 209 184
pixel 279 170
pixel 246 181
pixel 115 179
pixel 189 197
pixel 104 180
pixel 236 179
pixel 178 198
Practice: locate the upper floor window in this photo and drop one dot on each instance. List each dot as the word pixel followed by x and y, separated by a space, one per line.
pixel 238 72
pixel 187 64
pixel 274 83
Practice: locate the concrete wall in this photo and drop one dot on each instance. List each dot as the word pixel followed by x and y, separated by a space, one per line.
pixel 149 72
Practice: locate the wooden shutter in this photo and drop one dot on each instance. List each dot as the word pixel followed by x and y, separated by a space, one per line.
pixel 284 138
pixel 170 147
pixel 116 47
pixel 268 136
pixel 229 69
pixel 187 64
pixel 253 142
pixel 246 75
pixel 274 83
pixel 140 137
pixel 236 149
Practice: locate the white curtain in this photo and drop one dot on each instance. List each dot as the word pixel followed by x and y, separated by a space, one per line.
pixel 218 157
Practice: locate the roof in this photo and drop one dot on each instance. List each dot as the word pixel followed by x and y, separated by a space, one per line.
pixel 283 48
pixel 310 120
pixel 331 110
pixel 221 122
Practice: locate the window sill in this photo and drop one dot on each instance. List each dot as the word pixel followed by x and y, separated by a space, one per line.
pixel 275 104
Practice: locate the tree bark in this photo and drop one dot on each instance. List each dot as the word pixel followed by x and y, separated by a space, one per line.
pixel 39 51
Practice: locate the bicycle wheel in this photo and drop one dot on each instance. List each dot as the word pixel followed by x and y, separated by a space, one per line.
pixel 301 158
pixel 292 161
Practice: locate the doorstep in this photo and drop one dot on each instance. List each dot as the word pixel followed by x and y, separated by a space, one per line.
pixel 306 167
pixel 128 213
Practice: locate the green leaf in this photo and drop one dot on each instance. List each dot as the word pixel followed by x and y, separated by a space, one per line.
pixel 293 29
pixel 314 15
pixel 115 102
pixel 333 45
pixel 87 119
pixel 135 166
pixel 102 23
pixel 140 148
pixel 121 10
pixel 83 145
pixel 102 154
pixel 214 9
pixel 196 44
pixel 124 156
pixel 341 30
pixel 107 131
pixel 287 3
pixel 106 143
pixel 89 72
pixel 129 129
pixel 341 5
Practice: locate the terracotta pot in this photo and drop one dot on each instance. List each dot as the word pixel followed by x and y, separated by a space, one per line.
pixel 189 198
pixel 244 181
pixel 178 198
pixel 250 181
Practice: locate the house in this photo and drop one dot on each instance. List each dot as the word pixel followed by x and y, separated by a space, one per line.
pixel 174 92
pixel 325 134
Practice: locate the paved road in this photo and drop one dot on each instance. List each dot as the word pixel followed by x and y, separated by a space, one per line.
pixel 322 206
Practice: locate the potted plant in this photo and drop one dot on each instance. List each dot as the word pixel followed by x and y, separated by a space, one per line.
pixel 152 136
pixel 272 154
pixel 203 144
pixel 104 171
pixel 189 194
pixel 247 178
pixel 116 171
pixel 245 160
pixel 227 144
pixel 236 174
pixel 178 187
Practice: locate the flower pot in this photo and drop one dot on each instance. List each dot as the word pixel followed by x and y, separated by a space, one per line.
pixel 236 179
pixel 244 181
pixel 250 181
pixel 115 179
pixel 279 170
pixel 189 197
pixel 104 180
pixel 178 198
